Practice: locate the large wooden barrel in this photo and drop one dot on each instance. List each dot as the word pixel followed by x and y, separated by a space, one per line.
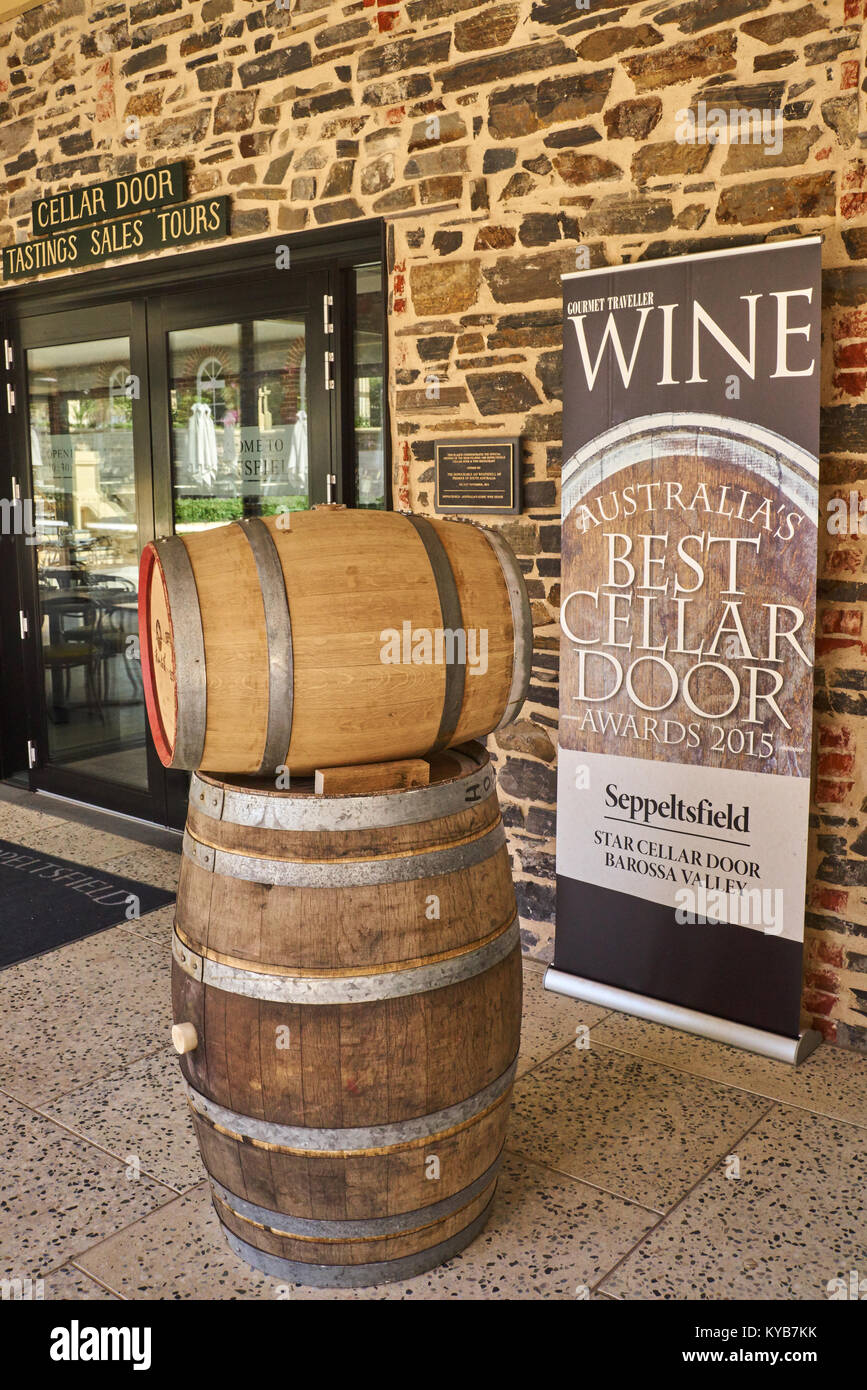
pixel 347 975
pixel 329 637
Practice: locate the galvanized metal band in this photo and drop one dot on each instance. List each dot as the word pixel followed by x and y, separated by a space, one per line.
pixel 522 624
pixel 208 799
pixel 194 949
pixel 358 1276
pixel 302 1139
pixel 452 620
pixel 278 629
pixel 346 989
pixel 372 1228
pixel 271 810
pixel 190 961
pixel 189 645
pixel 289 873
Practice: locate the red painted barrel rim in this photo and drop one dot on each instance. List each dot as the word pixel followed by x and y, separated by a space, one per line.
pixel 148 563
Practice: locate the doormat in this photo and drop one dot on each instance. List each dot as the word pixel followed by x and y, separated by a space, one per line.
pixel 47 902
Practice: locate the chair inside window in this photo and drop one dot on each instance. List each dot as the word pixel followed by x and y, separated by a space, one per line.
pixel 74 643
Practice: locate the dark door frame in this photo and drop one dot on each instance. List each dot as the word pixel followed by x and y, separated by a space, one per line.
pixel 232 274
pixel 121 318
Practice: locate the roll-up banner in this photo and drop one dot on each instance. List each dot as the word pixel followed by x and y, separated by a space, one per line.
pixel 690 510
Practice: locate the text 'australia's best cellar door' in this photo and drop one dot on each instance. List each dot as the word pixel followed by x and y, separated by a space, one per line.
pixel 690 495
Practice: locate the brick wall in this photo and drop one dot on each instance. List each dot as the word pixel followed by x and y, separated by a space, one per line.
pixel 497 139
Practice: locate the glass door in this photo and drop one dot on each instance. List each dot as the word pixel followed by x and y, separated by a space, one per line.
pixel 174 407
pixel 243 416
pixel 365 298
pixel 91 513
pixel 243 389
pixel 239 407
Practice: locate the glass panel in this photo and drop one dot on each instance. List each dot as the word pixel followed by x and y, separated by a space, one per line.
pixel 369 462
pixel 239 421
pixel 86 534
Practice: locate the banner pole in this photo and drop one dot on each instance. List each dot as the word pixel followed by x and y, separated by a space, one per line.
pixel 722 1030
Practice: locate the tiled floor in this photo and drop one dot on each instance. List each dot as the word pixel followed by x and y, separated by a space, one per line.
pixel 642 1163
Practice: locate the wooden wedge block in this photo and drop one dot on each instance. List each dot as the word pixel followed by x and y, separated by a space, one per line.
pixel 372 777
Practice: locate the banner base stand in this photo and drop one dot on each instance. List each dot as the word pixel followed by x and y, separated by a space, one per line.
pixel 774 1045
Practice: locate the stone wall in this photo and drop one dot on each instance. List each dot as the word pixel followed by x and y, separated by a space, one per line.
pixel 498 139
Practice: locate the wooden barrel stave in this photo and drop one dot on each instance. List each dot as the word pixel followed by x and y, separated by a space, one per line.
pixel 372 1271
pixel 328 1075
pixel 364 1228
pixel 380 925
pixel 353 1185
pixel 407 1054
pixel 361 1249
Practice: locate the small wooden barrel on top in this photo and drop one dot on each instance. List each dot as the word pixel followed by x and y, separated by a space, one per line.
pixel 322 638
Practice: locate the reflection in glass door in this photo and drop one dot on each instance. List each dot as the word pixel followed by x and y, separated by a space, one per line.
pixel 368 375
pixel 86 537
pixel 239 420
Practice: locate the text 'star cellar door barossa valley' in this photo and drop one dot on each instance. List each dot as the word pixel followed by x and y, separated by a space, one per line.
pixel 690 495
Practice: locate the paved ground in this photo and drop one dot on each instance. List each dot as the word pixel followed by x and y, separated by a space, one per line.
pixel 647 1164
